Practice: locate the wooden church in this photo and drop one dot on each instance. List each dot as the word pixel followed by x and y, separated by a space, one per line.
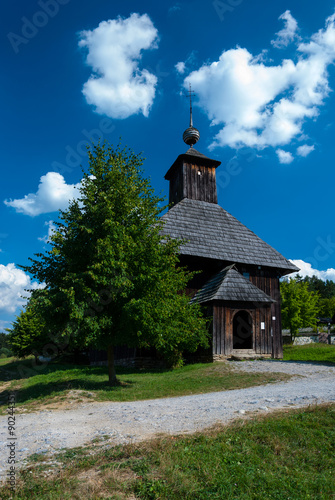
pixel 238 283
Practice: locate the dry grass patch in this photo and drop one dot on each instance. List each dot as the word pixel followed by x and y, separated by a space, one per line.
pixel 288 454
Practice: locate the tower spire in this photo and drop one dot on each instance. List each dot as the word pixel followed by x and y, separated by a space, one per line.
pixel 190 94
pixel 191 134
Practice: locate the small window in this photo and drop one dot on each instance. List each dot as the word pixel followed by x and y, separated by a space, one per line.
pixel 246 275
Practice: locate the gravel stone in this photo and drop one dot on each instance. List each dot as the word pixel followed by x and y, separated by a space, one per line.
pixel 134 421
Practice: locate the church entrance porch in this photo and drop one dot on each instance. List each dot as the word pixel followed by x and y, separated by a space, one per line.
pixel 242 332
pixel 241 315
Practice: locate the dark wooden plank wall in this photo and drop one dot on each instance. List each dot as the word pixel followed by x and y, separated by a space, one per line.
pixel 187 183
pixel 262 337
pixel 222 333
pixel 200 187
pixel 258 333
pixel 277 339
pixel 176 187
pixel 218 329
pixel 229 331
pixel 269 283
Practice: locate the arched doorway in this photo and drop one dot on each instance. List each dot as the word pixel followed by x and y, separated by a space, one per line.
pixel 242 330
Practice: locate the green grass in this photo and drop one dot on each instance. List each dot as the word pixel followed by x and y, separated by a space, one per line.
pixel 320 353
pixel 53 383
pixel 288 455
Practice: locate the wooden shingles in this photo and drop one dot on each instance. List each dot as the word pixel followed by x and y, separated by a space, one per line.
pixel 230 285
pixel 210 231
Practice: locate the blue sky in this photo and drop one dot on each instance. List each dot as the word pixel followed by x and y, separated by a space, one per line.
pixel 264 77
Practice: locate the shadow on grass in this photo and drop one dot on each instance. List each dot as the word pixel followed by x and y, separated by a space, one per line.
pixel 27 368
pixel 71 377
pixel 54 389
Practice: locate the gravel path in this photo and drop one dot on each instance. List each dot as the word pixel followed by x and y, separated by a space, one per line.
pixel 48 431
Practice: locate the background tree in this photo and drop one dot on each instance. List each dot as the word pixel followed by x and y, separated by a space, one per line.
pixel 300 307
pixel 28 334
pixel 326 289
pixel 110 278
pixel 5 349
pixel 327 308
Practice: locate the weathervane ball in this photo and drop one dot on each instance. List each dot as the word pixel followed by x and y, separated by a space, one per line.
pixel 191 136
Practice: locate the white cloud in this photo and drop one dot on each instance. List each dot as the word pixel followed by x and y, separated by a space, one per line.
pixel 304 150
pixel 51 229
pixel 288 33
pixel 190 62
pixel 307 270
pixel 52 194
pixel 284 156
pixel 118 87
pixel 13 282
pixel 4 324
pixel 260 105
pixel 180 67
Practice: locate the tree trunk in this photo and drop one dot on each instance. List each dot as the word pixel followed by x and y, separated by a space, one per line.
pixel 111 365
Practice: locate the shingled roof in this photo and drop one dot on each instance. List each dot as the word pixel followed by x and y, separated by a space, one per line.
pixel 230 285
pixel 210 231
pixel 194 152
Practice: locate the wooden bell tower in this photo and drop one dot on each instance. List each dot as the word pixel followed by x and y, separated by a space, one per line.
pixel 192 175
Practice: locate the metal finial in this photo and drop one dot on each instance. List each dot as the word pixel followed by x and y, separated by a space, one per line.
pixel 191 135
pixel 191 92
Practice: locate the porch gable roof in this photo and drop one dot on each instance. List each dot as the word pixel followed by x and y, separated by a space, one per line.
pixel 230 285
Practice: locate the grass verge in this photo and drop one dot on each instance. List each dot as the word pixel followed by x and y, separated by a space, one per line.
pixel 286 455
pixel 57 384
pixel 320 353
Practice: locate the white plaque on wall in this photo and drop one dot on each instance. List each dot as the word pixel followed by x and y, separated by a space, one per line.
pixel 262 325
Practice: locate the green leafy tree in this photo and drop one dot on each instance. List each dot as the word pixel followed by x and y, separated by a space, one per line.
pixel 290 306
pixel 326 289
pixel 300 307
pixel 111 280
pixel 28 334
pixel 327 307
pixel 5 350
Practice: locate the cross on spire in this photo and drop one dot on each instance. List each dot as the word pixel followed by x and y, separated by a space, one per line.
pixel 191 94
